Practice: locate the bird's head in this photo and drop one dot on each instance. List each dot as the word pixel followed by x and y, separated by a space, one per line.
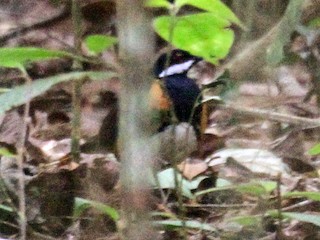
pixel 179 62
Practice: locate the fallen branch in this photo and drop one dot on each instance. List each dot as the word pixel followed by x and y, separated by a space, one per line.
pixel 274 116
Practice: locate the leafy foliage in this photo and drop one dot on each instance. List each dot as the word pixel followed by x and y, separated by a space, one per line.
pixel 204 34
pixel 315 150
pixel 21 94
pixel 18 57
pixel 257 188
pixel 99 43
pixel 311 195
pixel 216 7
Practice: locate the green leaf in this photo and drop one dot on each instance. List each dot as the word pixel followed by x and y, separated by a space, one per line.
pixel 171 224
pixel 246 220
pixel 6 152
pixel 6 208
pixel 214 189
pixel 303 217
pixel 315 150
pixel 203 34
pixel 314 23
pixel 18 57
pixel 2 90
pixel 222 182
pixel 82 204
pixel 311 195
pixel 99 43
pixel 216 7
pixel 257 188
pixel 21 94
pixel 158 3
pixel 289 22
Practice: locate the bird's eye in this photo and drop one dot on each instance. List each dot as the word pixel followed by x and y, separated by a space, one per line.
pixel 178 57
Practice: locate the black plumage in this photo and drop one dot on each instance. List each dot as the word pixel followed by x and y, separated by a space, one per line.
pixel 182 90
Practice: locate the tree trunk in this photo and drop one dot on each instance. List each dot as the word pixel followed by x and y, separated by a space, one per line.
pixel 136 45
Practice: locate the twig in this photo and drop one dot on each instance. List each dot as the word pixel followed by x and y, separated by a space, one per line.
pixel 280 117
pixel 20 158
pixel 10 224
pixel 219 205
pixel 77 84
pixel 298 205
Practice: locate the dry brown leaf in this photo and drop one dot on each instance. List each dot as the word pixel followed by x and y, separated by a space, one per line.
pixel 191 169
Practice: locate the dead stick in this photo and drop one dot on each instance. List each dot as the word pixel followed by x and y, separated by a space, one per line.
pixel 274 116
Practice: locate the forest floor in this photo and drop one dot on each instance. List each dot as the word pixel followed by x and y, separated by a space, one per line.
pixel 254 175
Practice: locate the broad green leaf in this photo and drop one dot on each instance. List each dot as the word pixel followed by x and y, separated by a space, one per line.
pixel 303 217
pixel 289 22
pixel 216 7
pixel 311 195
pixel 18 57
pixel 203 34
pixel 188 224
pixel 82 204
pixel 157 3
pixel 315 150
pixel 99 43
pixel 21 94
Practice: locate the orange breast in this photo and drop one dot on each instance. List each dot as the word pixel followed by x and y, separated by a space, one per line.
pixel 158 98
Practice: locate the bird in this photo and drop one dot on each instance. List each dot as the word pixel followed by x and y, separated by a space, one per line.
pixel 183 94
pixel 173 93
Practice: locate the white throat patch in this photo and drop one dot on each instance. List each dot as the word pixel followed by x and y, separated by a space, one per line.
pixel 177 68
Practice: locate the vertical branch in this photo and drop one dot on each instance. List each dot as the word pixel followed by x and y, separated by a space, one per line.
pixel 77 84
pixel 20 158
pixel 136 45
